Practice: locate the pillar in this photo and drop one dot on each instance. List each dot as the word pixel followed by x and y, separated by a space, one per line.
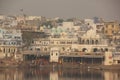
pixel 108 58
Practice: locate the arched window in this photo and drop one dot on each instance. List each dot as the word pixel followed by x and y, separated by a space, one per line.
pixel 56 54
pixel 95 50
pixel 106 49
pixel 87 41
pixel 51 54
pixel 96 42
pixel 83 41
pixel 92 41
pixel 9 50
pixel 38 49
pixel 4 50
pixel 63 48
pixel 45 49
pixel 79 40
pixel 102 50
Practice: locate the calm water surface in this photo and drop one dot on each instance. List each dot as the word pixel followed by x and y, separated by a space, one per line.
pixel 57 74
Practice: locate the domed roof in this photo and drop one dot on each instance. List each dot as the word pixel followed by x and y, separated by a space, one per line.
pixel 59 30
pixel 53 30
pixel 48 26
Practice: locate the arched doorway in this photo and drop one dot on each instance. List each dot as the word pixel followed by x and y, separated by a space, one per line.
pixel 106 49
pixel 84 49
pixel 95 50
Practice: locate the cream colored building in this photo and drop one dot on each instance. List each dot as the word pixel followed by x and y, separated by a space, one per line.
pixel 40 44
pixel 110 28
pixel 64 44
pixel 92 40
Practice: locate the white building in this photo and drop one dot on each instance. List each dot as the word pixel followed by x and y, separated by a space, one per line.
pixel 10 41
pixel 91 41
pixel 40 44
pixel 54 54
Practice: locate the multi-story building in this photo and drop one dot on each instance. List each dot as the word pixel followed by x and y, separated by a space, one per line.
pixel 40 44
pixel 93 42
pixel 10 41
pixel 110 28
pixel 64 37
pixel 9 21
pixel 64 44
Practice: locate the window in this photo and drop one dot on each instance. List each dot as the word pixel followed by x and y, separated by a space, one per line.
pixel 106 31
pixel 45 49
pixel 92 41
pixel 63 48
pixel 51 54
pixel 62 42
pixel 106 26
pixel 96 42
pixel 84 49
pixel 88 24
pixel 38 49
pixel 87 41
pixel 32 41
pixel 95 50
pixel 112 26
pixel 9 50
pixel 83 41
pixel 56 54
pixel 112 32
pixel 4 50
pixel 106 49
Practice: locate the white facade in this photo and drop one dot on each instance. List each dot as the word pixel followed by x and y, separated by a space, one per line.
pixel 54 54
pixel 108 58
pixel 92 41
pixel 70 26
pixel 10 41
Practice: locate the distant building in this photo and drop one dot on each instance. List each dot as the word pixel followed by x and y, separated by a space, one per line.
pixel 65 44
pixel 110 28
pixel 9 21
pixel 41 45
pixel 54 54
pixel 91 41
pixel 10 42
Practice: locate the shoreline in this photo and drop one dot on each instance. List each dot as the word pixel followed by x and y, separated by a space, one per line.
pixel 64 65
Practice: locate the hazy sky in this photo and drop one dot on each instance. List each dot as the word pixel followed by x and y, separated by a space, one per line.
pixel 107 9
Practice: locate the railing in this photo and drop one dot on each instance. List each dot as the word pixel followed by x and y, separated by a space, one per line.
pixel 65 54
pixel 82 53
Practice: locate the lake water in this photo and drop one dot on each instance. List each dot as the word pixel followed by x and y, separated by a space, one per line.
pixel 57 74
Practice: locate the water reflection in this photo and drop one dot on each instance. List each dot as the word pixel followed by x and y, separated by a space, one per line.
pixel 57 74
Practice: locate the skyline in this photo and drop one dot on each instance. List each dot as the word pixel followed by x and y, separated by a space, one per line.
pixel 106 9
